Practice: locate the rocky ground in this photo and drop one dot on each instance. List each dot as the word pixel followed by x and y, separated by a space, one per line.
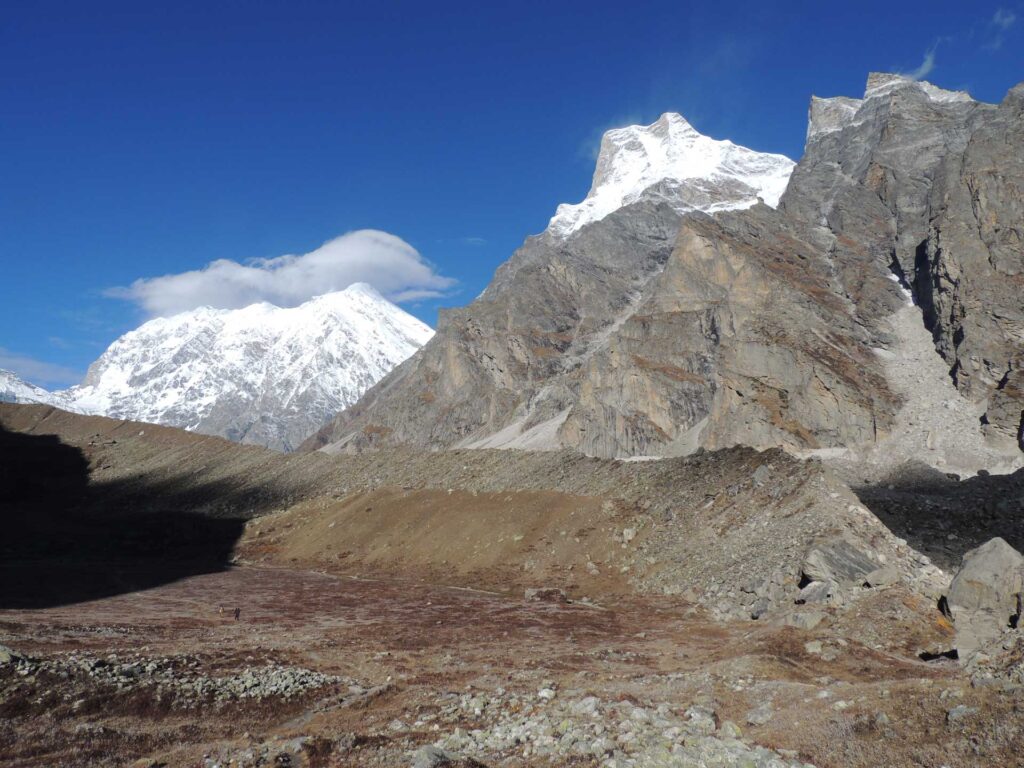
pixel 732 608
pixel 333 671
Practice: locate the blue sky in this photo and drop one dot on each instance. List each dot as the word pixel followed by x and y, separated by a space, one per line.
pixel 139 140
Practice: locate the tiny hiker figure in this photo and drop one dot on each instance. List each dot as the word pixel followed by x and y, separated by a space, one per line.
pixel 238 612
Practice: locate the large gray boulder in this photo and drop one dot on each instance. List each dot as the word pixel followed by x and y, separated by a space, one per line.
pixel 984 599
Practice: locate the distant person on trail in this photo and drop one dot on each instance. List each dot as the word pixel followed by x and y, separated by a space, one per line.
pixel 238 612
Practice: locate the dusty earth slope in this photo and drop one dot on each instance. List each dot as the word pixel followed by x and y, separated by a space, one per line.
pixel 381 608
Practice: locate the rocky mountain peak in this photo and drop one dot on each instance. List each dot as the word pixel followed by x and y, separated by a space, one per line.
pixel 827 115
pixel 884 83
pixel 670 161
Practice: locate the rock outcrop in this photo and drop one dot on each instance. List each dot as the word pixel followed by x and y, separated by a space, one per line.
pixel 658 329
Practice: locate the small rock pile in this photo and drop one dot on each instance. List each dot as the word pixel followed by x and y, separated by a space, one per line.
pixel 181 678
pixel 550 726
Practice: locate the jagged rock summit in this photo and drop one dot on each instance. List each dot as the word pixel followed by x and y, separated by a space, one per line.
pixel 262 374
pixel 669 160
pixel 655 328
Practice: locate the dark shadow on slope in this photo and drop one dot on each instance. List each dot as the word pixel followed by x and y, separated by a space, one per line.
pixel 942 517
pixel 67 539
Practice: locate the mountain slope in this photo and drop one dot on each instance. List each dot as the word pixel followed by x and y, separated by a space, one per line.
pixel 658 329
pixel 261 374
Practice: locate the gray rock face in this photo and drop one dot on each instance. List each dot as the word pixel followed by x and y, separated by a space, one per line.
pixel 651 332
pixel 985 597
pixel 928 183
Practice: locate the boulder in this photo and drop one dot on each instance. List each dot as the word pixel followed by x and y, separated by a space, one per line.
pixel 819 592
pixel 8 655
pixel 838 560
pixel 882 577
pixel 760 714
pixel 431 756
pixel 985 596
pixel 803 619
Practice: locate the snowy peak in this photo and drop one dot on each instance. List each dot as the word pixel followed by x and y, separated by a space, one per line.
pixel 670 160
pixel 14 389
pixel 261 374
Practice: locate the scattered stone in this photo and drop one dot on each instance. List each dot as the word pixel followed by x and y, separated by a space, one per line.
pixel 882 577
pixel 546 595
pixel 762 475
pixel 804 619
pixel 730 730
pixel 760 607
pixel 431 756
pixel 760 714
pixel 9 655
pixel 819 592
pixel 959 712
pixel 702 718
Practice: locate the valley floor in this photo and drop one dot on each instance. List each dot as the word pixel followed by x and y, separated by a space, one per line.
pixel 388 611
pixel 332 670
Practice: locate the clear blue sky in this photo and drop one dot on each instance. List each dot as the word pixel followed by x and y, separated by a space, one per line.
pixel 141 139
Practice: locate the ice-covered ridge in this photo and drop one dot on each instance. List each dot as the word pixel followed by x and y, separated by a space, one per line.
pixel 14 389
pixel 669 160
pixel 262 374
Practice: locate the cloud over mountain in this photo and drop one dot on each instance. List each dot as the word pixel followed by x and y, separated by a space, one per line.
pixel 385 261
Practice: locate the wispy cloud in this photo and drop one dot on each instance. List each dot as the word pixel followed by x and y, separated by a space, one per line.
pixel 927 64
pixel 473 241
pixel 1004 19
pixel 388 263
pixel 1001 22
pixel 38 372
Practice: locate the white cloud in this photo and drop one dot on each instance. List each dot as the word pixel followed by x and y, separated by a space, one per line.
pixel 927 65
pixel 37 372
pixel 388 263
pixel 1004 19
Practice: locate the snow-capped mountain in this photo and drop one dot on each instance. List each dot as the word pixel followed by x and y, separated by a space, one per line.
pixel 670 160
pixel 14 389
pixel 262 374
